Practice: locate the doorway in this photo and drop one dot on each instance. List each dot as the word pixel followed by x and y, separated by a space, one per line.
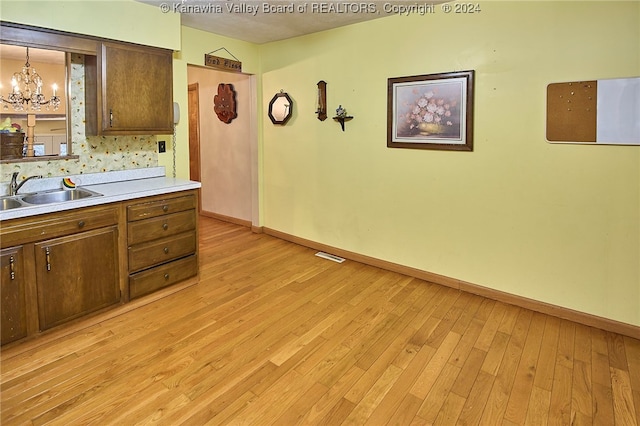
pixel 223 156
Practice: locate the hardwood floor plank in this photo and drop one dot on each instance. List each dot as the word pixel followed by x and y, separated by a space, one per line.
pixel 338 413
pixel 396 396
pixel 548 353
pixel 623 405
pixel 272 334
pixel 632 348
pixel 434 367
pixel 376 393
pixel 501 390
pixel 435 399
pixel 602 405
pixel 490 327
pixel 295 412
pixel 560 405
pixel 451 410
pixel 465 346
pixel 581 400
pixel 495 355
pixel 617 352
pixel 476 401
pixel 469 373
pixel 538 409
pixel 405 413
pixel 468 313
pixel 324 404
pixel 220 405
pixel 519 399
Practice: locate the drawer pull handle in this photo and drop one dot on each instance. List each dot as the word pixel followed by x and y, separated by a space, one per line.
pixel 166 250
pixel 165 208
pixel 47 254
pixel 12 267
pixel 166 276
pixel 165 226
pixel 81 224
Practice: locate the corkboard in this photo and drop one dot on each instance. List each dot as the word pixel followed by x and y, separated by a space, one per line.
pixel 572 111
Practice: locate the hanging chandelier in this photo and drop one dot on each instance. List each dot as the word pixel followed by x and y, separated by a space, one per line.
pixel 26 91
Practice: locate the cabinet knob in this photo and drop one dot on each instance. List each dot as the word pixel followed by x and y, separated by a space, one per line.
pixel 81 224
pixel 165 208
pixel 166 250
pixel 166 276
pixel 165 226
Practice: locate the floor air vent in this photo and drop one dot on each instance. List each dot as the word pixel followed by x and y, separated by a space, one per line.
pixel 329 257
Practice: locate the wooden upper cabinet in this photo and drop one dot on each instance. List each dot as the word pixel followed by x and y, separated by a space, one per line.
pixel 129 90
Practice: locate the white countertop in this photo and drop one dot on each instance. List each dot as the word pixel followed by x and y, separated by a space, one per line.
pixel 112 190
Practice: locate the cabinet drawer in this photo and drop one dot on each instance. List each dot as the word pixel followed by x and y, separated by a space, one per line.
pixel 159 227
pixel 160 207
pixel 27 230
pixel 144 255
pixel 151 280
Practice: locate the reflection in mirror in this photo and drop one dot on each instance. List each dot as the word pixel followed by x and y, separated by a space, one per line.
pixel 280 108
pixel 50 132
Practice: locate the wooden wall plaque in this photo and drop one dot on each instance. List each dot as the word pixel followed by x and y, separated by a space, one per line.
pixel 222 63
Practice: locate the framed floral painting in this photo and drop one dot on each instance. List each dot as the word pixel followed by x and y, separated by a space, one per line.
pixel 433 111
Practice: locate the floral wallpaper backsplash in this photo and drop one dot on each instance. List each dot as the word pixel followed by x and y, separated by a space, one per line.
pixel 96 153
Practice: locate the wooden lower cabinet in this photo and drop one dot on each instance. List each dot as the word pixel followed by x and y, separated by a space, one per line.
pixel 13 307
pixel 61 266
pixel 163 242
pixel 76 275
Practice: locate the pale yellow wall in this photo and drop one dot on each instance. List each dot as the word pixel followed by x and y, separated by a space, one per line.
pixel 555 223
pixel 124 20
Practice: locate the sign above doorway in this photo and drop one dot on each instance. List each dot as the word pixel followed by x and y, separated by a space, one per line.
pixel 222 63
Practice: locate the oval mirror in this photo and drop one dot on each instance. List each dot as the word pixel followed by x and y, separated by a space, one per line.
pixel 280 108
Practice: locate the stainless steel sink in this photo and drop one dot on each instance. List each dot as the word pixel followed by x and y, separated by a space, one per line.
pixel 45 197
pixel 9 203
pixel 58 196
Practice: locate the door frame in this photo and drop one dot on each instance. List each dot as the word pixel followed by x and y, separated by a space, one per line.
pixel 254 153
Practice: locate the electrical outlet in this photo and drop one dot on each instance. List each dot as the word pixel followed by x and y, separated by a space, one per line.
pixel 162 146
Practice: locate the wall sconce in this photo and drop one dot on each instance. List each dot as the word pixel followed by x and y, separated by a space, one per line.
pixel 322 100
pixel 341 116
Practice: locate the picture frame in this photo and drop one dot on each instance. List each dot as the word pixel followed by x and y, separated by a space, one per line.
pixel 431 111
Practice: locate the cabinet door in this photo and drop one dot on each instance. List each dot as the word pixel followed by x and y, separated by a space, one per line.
pixel 76 275
pixel 137 90
pixel 13 312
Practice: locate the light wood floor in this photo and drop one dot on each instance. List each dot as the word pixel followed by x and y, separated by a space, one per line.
pixel 275 335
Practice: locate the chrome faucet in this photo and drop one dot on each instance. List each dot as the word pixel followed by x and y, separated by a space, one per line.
pixel 14 186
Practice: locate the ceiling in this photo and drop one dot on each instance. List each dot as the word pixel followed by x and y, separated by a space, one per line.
pixel 259 21
pixel 19 53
